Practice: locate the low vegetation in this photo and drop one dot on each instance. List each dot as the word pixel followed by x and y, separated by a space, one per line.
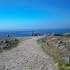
pixel 57 47
pixel 8 43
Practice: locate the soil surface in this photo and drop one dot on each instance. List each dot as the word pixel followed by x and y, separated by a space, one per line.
pixel 26 56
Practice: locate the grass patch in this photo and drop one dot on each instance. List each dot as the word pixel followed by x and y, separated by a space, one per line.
pixel 53 52
pixel 56 53
pixel 63 66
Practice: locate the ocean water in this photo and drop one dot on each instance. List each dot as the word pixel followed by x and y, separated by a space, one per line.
pixel 23 33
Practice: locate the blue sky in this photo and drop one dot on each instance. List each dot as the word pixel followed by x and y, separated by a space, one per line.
pixel 34 14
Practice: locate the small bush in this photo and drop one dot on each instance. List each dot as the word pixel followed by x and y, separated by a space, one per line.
pixel 63 66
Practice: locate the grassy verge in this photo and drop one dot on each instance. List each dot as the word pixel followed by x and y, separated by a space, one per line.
pixel 57 55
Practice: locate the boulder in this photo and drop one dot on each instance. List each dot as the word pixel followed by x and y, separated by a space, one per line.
pixel 60 41
pixel 57 45
pixel 61 47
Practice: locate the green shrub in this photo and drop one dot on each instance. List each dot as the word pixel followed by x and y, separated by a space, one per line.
pixel 63 66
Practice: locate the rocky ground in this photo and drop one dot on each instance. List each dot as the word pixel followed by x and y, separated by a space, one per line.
pixel 59 45
pixel 26 56
pixel 61 42
pixel 6 43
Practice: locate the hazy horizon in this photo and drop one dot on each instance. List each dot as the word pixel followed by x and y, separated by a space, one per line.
pixel 62 29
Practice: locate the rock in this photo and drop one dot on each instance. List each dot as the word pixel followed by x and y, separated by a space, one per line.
pixel 53 39
pixel 60 41
pixel 61 47
pixel 57 45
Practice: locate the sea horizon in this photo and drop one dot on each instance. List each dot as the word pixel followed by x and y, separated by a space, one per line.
pixel 28 32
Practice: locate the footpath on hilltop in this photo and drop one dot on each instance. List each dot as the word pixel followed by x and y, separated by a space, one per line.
pixel 26 56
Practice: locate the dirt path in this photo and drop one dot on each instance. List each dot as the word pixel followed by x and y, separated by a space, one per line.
pixel 27 56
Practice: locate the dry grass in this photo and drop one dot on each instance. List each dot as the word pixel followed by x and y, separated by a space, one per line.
pixel 54 52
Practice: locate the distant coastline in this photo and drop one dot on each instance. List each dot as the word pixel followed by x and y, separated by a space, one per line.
pixel 25 33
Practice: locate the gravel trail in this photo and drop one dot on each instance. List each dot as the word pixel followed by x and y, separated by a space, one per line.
pixel 26 56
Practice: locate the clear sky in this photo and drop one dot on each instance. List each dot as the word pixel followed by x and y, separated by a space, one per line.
pixel 34 14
